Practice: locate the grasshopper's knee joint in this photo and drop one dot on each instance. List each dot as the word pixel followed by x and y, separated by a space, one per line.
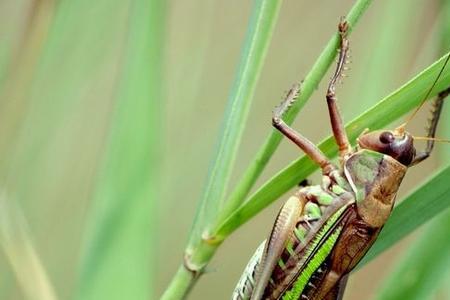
pixel 276 121
pixel 330 93
pixel 327 168
pixel 343 26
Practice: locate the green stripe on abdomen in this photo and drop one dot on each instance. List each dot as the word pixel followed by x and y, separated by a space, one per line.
pixel 319 257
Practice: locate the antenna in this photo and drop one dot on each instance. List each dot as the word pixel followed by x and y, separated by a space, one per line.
pixel 426 138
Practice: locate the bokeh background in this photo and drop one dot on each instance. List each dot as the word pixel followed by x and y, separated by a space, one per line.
pixel 96 211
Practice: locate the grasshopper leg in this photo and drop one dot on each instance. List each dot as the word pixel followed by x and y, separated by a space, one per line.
pixel 435 114
pixel 276 243
pixel 306 145
pixel 335 117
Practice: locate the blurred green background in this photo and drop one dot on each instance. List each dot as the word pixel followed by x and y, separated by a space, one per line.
pixel 109 115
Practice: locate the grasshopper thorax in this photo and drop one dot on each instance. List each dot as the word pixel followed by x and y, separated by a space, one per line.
pixel 396 143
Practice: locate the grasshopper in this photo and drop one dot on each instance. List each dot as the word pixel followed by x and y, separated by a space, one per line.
pixel 323 231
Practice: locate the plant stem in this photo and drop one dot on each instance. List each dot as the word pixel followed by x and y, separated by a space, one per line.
pixel 261 25
pixel 181 284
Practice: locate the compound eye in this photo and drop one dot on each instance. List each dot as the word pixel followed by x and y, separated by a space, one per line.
pixel 387 137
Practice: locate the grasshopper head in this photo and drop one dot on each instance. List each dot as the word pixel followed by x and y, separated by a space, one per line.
pixel 396 143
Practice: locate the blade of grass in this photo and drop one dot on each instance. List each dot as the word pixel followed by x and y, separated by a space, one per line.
pixel 117 264
pixel 259 33
pixel 386 111
pixel 19 249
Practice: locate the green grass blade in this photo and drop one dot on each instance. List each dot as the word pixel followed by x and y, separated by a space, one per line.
pixel 19 249
pixel 386 111
pixel 259 33
pixel 118 261
pixel 309 85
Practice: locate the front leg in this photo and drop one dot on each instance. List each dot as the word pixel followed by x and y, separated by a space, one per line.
pixel 306 145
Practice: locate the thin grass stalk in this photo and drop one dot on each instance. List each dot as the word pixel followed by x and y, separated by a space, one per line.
pixel 259 33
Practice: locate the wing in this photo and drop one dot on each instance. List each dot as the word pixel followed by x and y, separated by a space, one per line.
pixel 244 288
pixel 275 245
